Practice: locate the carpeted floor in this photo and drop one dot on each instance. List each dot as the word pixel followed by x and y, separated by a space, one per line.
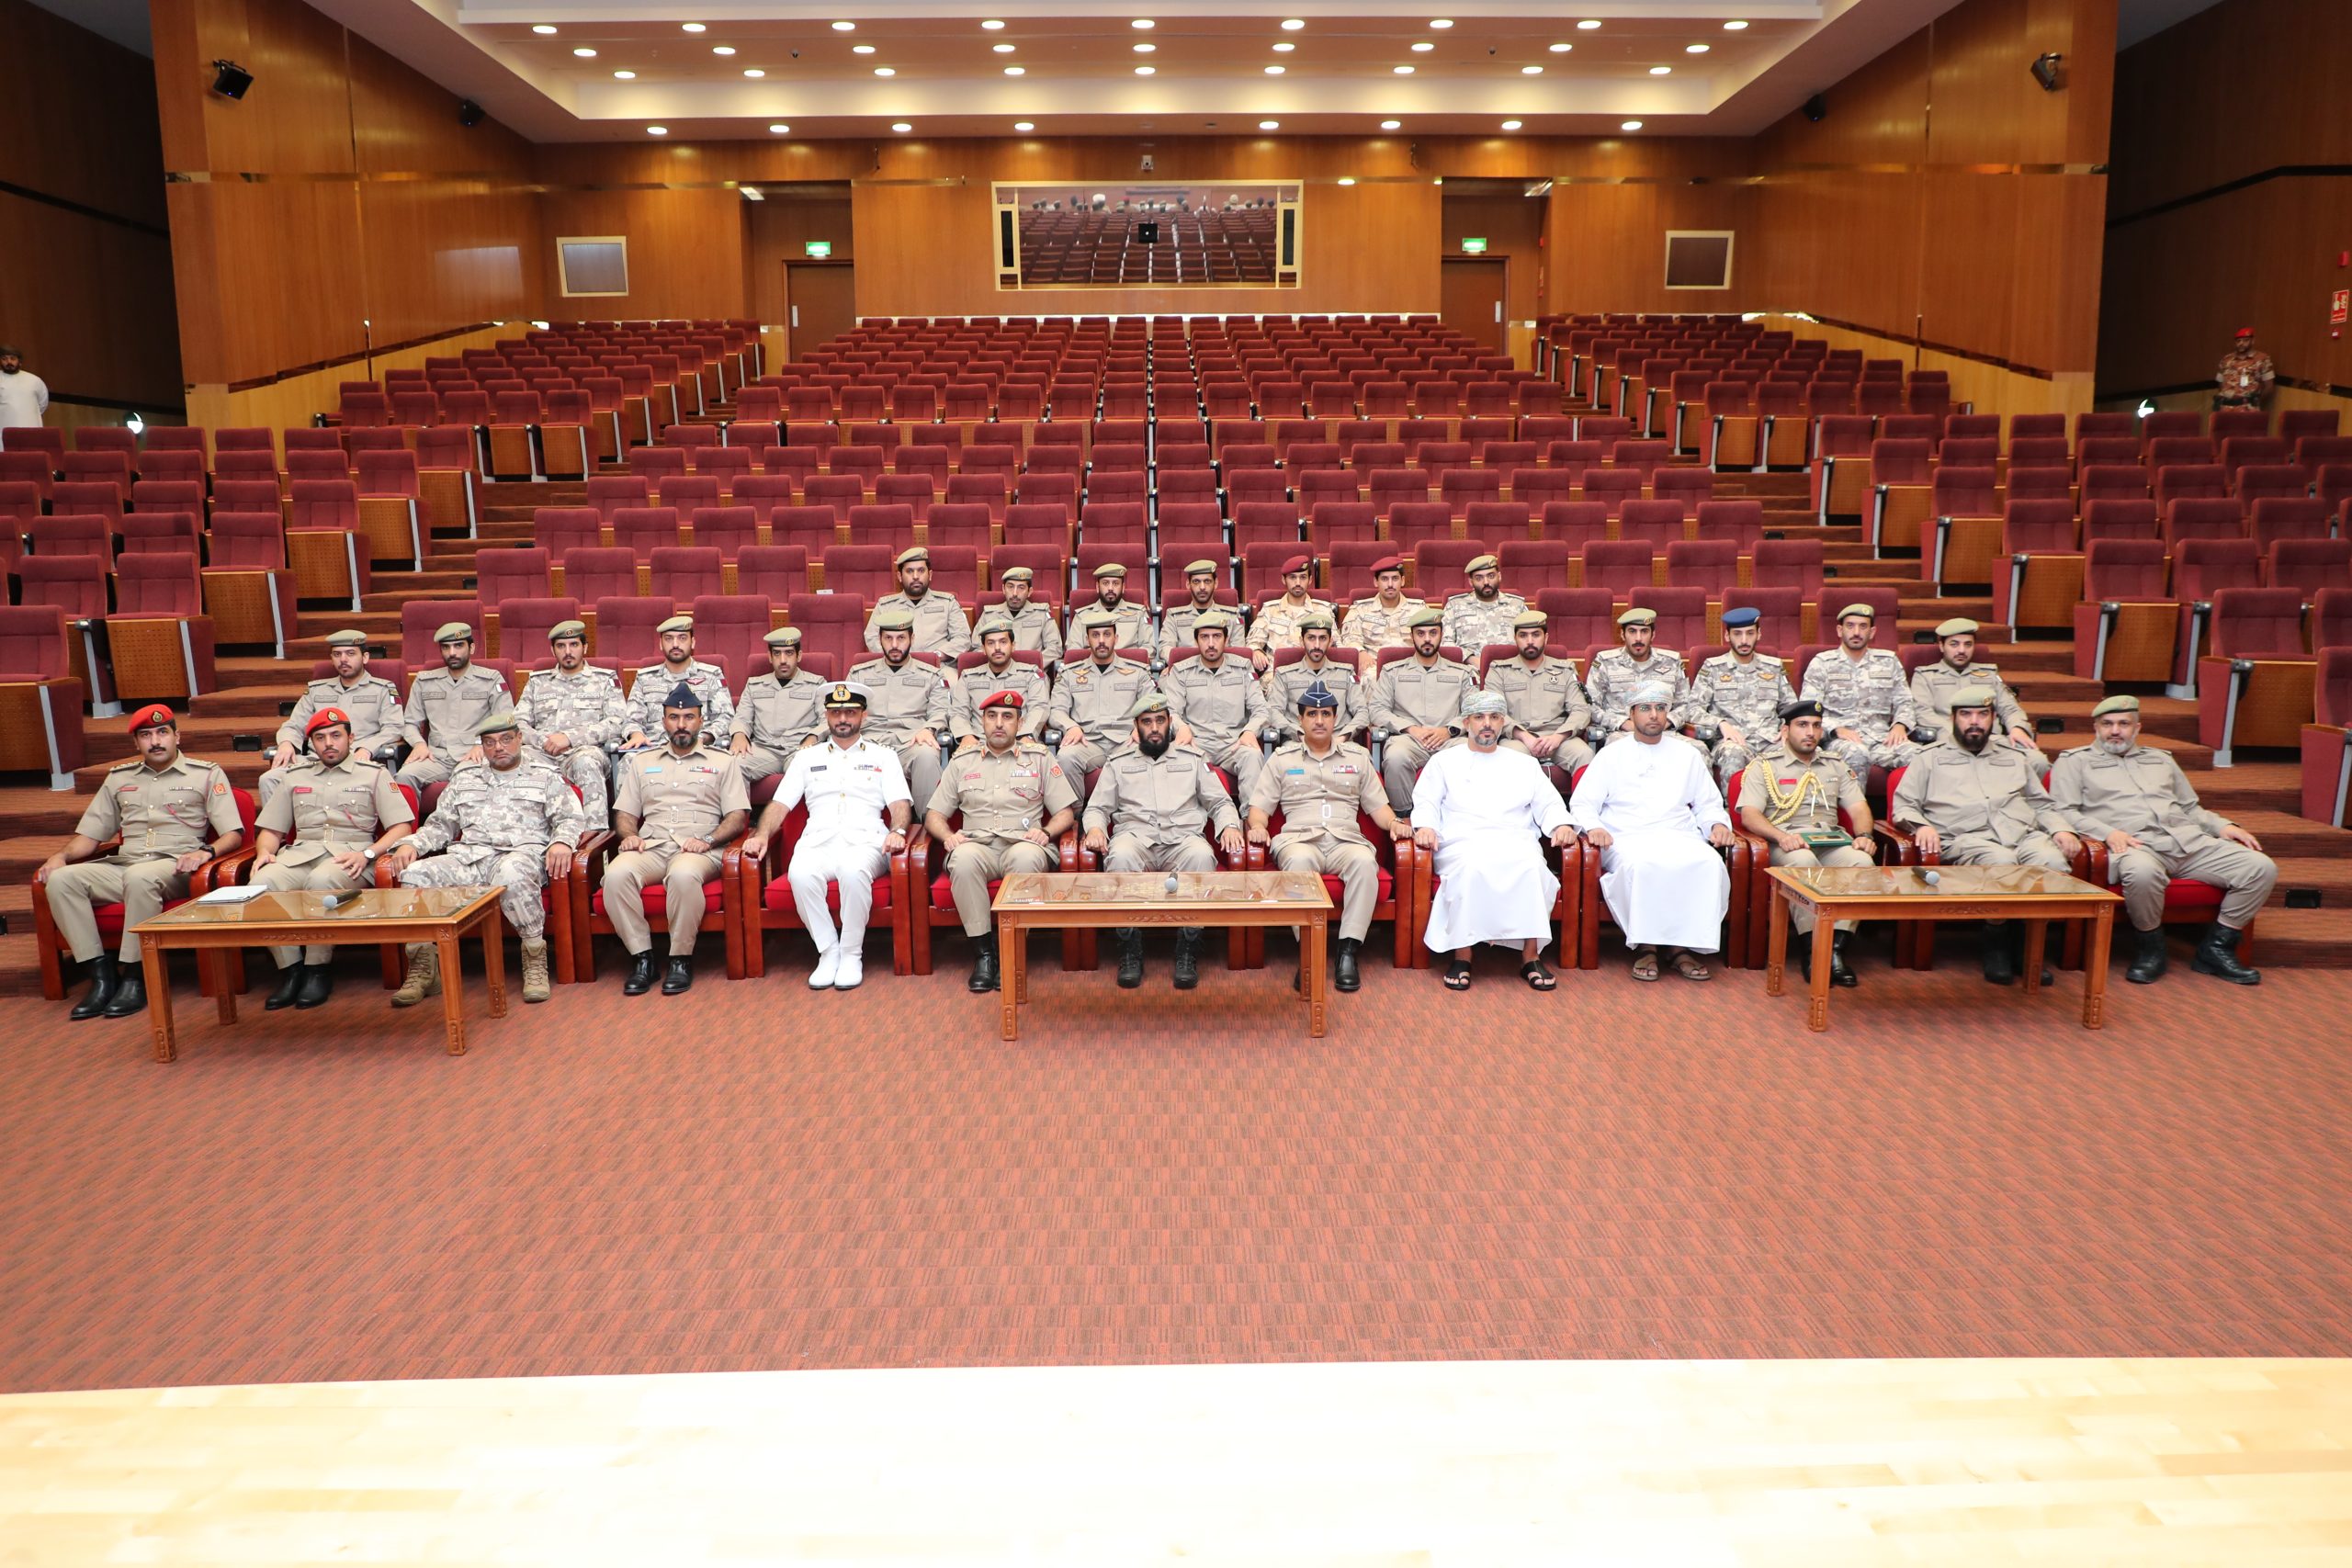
pixel 753 1176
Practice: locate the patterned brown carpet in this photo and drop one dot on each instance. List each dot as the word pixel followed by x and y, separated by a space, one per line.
pixel 754 1177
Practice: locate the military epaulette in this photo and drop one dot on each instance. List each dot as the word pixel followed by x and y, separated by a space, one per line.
pixel 1463 598
pixel 2075 750
pixel 128 762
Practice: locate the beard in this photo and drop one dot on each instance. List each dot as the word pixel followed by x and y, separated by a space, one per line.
pixel 1972 740
pixel 2116 748
pixel 684 741
pixel 1156 749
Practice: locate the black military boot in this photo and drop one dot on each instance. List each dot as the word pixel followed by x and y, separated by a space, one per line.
pixel 1188 957
pixel 984 970
pixel 1130 941
pixel 1344 974
pixel 1841 973
pixel 130 999
pixel 2216 956
pixel 289 986
pixel 318 985
pixel 2148 961
pixel 641 974
pixel 104 978
pixel 681 977
pixel 2000 963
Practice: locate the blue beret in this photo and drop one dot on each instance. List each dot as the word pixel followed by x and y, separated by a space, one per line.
pixel 682 696
pixel 1317 695
pixel 1746 615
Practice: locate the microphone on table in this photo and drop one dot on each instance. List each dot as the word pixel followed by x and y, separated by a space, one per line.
pixel 1931 877
pixel 334 901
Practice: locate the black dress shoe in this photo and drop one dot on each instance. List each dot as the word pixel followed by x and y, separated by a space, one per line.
pixel 985 974
pixel 681 977
pixel 318 985
pixel 1839 974
pixel 641 974
pixel 1344 974
pixel 289 986
pixel 1130 958
pixel 104 977
pixel 130 999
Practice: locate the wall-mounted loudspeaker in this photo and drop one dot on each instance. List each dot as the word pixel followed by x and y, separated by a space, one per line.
pixel 230 79
pixel 2045 71
pixel 469 113
pixel 1815 109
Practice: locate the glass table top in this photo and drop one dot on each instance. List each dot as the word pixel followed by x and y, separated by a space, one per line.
pixel 1951 882
pixel 1031 889
pixel 366 904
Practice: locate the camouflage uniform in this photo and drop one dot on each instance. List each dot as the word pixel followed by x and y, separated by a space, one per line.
pixel 1226 709
pixel 326 811
pixel 1098 700
pixel 1614 678
pixel 1371 626
pixel 1749 695
pixel 941 626
pixel 587 709
pixel 1277 624
pixel 374 705
pixel 778 717
pixel 902 702
pixel 447 710
pixel 1472 623
pixel 1871 698
pixel 979 680
pixel 1411 692
pixel 1544 698
pixel 506 820
pixel 655 681
pixel 1285 682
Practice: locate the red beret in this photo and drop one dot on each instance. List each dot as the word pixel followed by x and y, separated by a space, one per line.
pixel 153 714
pixel 1298 563
pixel 1388 563
pixel 323 718
pixel 2246 332
pixel 1001 700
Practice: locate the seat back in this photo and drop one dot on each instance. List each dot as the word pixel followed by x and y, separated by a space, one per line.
pixel 32 643
pixel 683 574
pixel 862 572
pixel 2309 566
pixel 2202 517
pixel 774 572
pixel 727 529
pixel 1711 566
pixel 2258 623
pixel 2203 568
pixel 248 541
pixel 592 574
pixel 1581 617
pixel 1682 615
pixel 517 573
pixel 1964 491
pixel 158 584
pixel 2039 527
pixel 523 622
pixel 1618 565
pixel 2289 517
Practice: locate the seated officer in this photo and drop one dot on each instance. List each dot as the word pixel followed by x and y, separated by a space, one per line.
pixel 1218 703
pixel 446 709
pixel 373 703
pixel 781 711
pixel 1319 782
pixel 1150 805
pixel 935 618
pixel 1417 700
pixel 159 803
pixel 1285 682
pixel 1546 705
pixel 574 715
pixel 675 810
pixel 1001 673
pixel 649 689
pixel 1016 801
pixel 1790 798
pixel 342 811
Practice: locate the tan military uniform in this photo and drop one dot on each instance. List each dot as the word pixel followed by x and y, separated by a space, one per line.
pixel 1411 692
pixel 1471 623
pixel 1319 798
pixel 941 626
pixel 1934 686
pixel 1155 809
pixel 1285 682
pixel 651 686
pixel 1989 807
pixel 1034 630
pixel 1277 624
pixel 1098 701
pixel 1371 625
pixel 1135 623
pixel 980 681
pixel 673 797
pixel 1867 695
pixel 1003 795
pixel 905 700
pixel 448 711
pixel 1176 629
pixel 374 706
pixel 159 816
pixel 1614 678
pixel 1804 798
pixel 1749 695
pixel 778 718
pixel 587 709
pixel 1544 698
pixel 326 811
pixel 1226 709
pixel 491 829
pixel 2143 793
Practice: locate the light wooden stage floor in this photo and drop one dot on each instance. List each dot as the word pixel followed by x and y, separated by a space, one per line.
pixel 1484 1464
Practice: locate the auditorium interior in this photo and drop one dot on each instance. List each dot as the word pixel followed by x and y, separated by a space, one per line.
pixel 490 322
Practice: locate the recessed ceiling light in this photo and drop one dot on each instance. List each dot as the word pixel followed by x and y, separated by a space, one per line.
pixel 1402 70
pixel 1587 24
pixel 1284 48
pixel 656 131
pixel 1147 48
pixel 1734 27
pixel 624 75
pixel 1276 70
pixel 992 24
pixel 1016 71
pixel 1510 125
pixel 756 73
pixel 1631 125
pixel 1025 124
pixel 1392 125
pixel 1144 22
pixel 1531 71
pixel 585 53
pixel 861 49
pixel 690 26
pixel 1561 48
pixel 544 29
pixel 1270 125
pixel 844 26
pixel 1346 179
pixel 884 71
pixel 1147 70
pixel 1423 47
pixel 1292 25
pixel 1441 22
pixel 1694 49
pixel 1004 48
pixel 1661 69
pixel 779 129
pixel 901 127
pixel 722 49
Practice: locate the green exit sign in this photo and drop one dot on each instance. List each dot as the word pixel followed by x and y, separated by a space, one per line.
pixel 823 248
pixel 1474 247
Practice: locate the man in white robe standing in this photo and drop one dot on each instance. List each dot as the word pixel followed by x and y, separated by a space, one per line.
pixel 1654 813
pixel 1483 812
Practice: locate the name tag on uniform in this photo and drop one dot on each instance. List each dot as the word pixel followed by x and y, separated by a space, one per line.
pixel 1294 772
pixel 301 789
pixel 653 769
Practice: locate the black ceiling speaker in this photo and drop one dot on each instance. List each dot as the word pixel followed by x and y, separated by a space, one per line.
pixel 230 79
pixel 469 113
pixel 1816 109
pixel 2045 71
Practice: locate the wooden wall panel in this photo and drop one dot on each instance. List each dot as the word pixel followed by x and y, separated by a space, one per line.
pixel 1606 245
pixel 1513 226
pixel 779 226
pixel 78 119
pixel 685 251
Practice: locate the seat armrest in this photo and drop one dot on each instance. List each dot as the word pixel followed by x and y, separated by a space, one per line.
pixel 231 870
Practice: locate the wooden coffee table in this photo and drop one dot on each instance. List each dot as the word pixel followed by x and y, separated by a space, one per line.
pixel 1029 900
pixel 1960 893
pixel 441 916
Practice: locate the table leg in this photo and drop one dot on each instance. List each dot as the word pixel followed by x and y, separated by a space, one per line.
pixel 1318 978
pixel 159 999
pixel 494 959
pixel 2095 968
pixel 214 964
pixel 1020 978
pixel 1009 945
pixel 2037 938
pixel 1824 935
pixel 453 992
pixel 1776 962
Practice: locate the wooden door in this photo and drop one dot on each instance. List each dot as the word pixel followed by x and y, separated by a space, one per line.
pixel 822 299
pixel 1472 301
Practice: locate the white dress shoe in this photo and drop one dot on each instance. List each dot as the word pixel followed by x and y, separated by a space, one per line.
pixel 851 972
pixel 828 966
